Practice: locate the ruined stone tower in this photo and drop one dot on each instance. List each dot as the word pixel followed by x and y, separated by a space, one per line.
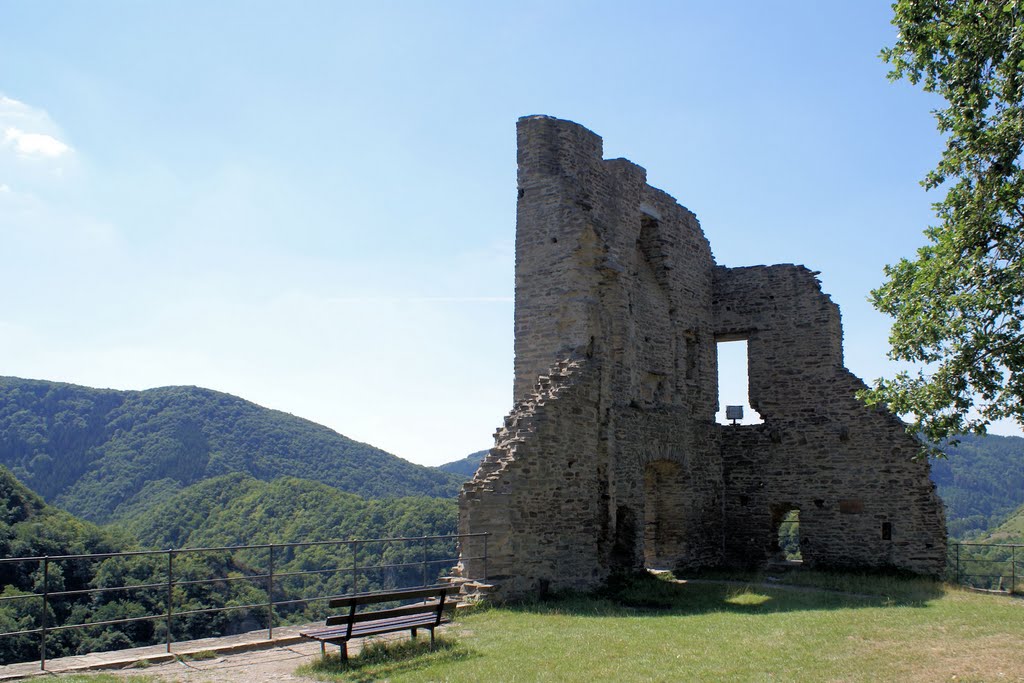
pixel 611 457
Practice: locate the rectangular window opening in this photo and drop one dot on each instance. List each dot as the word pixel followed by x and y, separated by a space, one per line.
pixel 733 384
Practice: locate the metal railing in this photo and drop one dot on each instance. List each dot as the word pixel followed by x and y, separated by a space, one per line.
pixel 989 566
pixel 437 554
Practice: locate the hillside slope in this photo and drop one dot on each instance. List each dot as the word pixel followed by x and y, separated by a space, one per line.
pixel 466 467
pixel 237 509
pixel 1010 531
pixel 29 527
pixel 981 482
pixel 102 454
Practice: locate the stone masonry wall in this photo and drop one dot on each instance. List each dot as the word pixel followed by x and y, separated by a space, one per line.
pixel 611 459
pixel 537 492
pixel 850 470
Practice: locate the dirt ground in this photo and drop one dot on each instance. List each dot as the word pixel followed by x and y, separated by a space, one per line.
pixel 277 664
pixel 259 666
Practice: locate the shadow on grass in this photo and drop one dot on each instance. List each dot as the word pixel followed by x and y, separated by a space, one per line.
pixel 646 595
pixel 384 659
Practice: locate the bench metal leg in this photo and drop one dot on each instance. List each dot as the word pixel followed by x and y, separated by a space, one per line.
pixel 431 639
pixel 344 651
pixel 413 633
pixel 323 649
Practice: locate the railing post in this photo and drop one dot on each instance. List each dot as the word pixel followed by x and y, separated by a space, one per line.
pixel 270 596
pixel 355 567
pixel 958 564
pixel 485 556
pixel 42 618
pixel 1013 568
pixel 424 560
pixel 170 594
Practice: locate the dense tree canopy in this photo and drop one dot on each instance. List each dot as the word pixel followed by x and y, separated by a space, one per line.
pixel 958 306
pixel 981 482
pixel 231 509
pixel 466 467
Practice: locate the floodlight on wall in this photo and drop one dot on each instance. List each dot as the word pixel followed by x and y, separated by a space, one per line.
pixel 734 413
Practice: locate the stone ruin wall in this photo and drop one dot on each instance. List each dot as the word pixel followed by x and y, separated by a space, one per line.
pixel 611 457
pixel 850 470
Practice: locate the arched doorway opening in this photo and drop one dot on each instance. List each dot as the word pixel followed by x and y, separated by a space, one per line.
pixel 786 533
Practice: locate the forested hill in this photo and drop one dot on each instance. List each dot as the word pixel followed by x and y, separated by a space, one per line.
pixel 236 509
pixel 981 482
pixel 466 467
pixel 101 453
pixel 231 509
pixel 31 528
pixel 1010 531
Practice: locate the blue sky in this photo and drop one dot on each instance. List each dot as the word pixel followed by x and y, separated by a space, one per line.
pixel 312 205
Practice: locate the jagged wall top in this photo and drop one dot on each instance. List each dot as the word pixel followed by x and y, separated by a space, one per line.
pixel 604 259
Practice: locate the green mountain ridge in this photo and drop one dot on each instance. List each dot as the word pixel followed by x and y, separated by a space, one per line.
pixel 236 509
pixel 981 482
pixel 465 467
pixel 29 527
pixel 104 454
pixel 1010 531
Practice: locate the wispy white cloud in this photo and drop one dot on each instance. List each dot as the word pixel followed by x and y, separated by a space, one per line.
pixel 12 109
pixel 34 144
pixel 28 134
pixel 44 196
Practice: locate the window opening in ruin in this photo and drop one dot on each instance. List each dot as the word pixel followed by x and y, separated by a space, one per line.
pixel 786 522
pixel 733 382
pixel 664 515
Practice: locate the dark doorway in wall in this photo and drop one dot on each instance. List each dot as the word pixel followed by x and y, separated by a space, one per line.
pixel 624 547
pixel 664 515
pixel 734 380
pixel 786 530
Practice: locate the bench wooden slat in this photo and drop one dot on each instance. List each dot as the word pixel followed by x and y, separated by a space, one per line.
pixel 401 623
pixel 427 614
pixel 383 614
pixel 405 594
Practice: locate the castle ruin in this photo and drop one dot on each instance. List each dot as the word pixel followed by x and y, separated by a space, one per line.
pixel 611 457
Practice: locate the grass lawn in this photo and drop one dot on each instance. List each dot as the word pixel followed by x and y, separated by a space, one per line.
pixel 654 630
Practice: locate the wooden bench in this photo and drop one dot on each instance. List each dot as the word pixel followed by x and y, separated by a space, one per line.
pixel 433 610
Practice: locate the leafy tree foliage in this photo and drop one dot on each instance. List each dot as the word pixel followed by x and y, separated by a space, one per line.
pixel 105 454
pixel 237 509
pixel 958 306
pixel 232 509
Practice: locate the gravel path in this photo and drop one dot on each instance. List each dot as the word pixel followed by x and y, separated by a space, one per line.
pixel 258 666
pixel 278 664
